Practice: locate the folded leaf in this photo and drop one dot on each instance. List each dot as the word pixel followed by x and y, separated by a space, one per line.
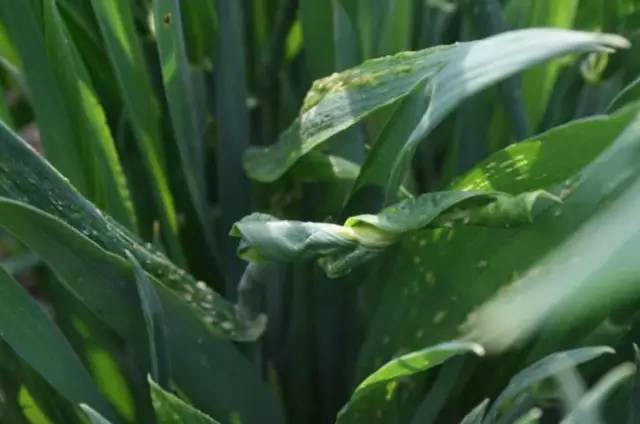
pixel 476 415
pixel 340 248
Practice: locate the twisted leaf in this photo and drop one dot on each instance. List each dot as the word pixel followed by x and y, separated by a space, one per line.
pixel 340 248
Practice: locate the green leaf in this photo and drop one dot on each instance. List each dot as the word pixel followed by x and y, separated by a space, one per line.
pixel 588 408
pixel 52 114
pixel 93 416
pixel 541 370
pixel 421 293
pixel 180 96
pixel 538 83
pixel 27 178
pixel 209 369
pixel 33 337
pixel 403 366
pixel 339 101
pixel 116 23
pixel 476 415
pixel 154 324
pixel 340 248
pixel 588 260
pixel 104 174
pixel 172 410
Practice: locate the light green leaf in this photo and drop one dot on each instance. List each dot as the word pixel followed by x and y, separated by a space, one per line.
pixel 588 408
pixel 403 366
pixel 541 370
pixel 340 248
pixel 52 114
pixel 31 335
pixel 104 174
pixel 172 410
pixel 116 23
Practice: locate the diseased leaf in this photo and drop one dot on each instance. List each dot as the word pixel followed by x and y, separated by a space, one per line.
pixel 28 179
pixel 542 370
pixel 403 366
pixel 337 102
pixel 32 336
pixel 340 248
pixel 172 410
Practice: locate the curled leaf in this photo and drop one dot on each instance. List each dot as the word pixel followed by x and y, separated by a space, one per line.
pixel 340 248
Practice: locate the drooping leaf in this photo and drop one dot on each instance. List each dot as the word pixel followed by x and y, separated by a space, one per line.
pixel 403 366
pixel 172 410
pixel 27 178
pixel 540 371
pixel 588 408
pixel 337 102
pixel 33 337
pixel 340 248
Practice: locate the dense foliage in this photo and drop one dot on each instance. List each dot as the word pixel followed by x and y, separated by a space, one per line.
pixel 316 211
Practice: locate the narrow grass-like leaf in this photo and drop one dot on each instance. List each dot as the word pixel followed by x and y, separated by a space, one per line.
pixel 27 178
pixel 93 416
pixel 404 366
pixel 538 83
pixel 541 370
pixel 588 409
pixel 53 117
pixel 233 128
pixel 154 324
pixel 117 27
pixel 33 337
pixel 172 410
pixel 110 293
pixel 181 101
pixel 104 174
pixel 340 248
pixel 476 415
pixel 454 73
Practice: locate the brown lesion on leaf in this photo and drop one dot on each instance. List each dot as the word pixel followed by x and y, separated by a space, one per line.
pixel 167 19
